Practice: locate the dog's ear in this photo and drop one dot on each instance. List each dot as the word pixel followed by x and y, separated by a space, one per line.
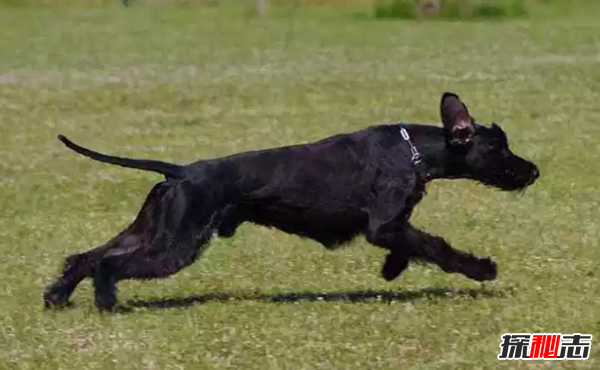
pixel 457 121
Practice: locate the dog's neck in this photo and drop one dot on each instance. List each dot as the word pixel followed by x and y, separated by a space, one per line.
pixel 438 161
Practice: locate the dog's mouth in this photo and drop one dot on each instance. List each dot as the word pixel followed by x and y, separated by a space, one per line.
pixel 511 182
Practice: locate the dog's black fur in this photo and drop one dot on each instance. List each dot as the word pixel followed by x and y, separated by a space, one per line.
pixel 330 191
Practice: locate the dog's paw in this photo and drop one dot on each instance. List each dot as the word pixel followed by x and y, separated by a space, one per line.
pixel 105 302
pixel 393 266
pixel 55 301
pixel 483 270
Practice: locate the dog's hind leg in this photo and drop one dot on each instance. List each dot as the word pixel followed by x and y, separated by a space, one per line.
pixel 173 235
pixel 76 268
pixel 79 266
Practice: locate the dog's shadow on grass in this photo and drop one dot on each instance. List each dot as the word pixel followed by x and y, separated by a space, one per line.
pixel 384 296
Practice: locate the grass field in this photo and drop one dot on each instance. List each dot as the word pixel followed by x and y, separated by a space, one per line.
pixel 181 84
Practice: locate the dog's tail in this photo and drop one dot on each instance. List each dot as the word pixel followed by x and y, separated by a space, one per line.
pixel 168 169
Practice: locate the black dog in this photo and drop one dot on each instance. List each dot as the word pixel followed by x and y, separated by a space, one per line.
pixel 366 182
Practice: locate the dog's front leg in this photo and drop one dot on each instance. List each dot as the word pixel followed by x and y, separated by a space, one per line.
pixel 389 228
pixel 434 249
pixel 390 237
pixel 406 242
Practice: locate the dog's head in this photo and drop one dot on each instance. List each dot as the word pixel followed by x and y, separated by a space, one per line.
pixel 483 152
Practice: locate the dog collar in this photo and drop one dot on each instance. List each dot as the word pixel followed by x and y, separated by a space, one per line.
pixel 415 156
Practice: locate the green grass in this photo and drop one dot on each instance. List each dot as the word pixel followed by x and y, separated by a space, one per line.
pixel 177 84
pixel 478 10
pixel 451 9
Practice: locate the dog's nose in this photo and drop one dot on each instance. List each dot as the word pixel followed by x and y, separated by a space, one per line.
pixel 535 174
